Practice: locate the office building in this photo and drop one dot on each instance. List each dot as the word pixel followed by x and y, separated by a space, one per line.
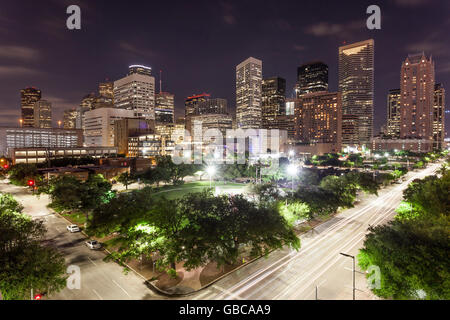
pixel 417 87
pixel 273 101
pixel 318 119
pixel 99 125
pixel 439 117
pixel 128 127
pixel 311 77
pixel 28 99
pixel 145 146
pixel 165 107
pixel 356 84
pixel 393 113
pixel 42 114
pixel 87 103
pixel 248 94
pixel 11 138
pixel 70 118
pixel 136 92
pixel 191 106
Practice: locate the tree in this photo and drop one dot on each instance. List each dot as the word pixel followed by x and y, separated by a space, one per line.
pixel 95 192
pixel 343 189
pixel 320 201
pixel 19 174
pixel 65 193
pixel 294 211
pixel 126 179
pixel 24 263
pixel 412 257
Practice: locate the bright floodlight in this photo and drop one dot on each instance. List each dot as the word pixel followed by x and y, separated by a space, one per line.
pixel 291 153
pixel 292 169
pixel 211 170
pixel 386 154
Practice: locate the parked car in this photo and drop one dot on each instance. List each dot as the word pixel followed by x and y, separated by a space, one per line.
pixel 73 228
pixel 93 244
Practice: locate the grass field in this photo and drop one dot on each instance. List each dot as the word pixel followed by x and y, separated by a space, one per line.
pixel 175 192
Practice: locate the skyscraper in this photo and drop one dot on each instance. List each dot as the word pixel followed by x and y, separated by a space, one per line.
pixel 311 77
pixel 70 118
pixel 248 93
pixel 439 116
pixel 165 107
pixel 136 92
pixel 318 119
pixel 213 114
pixel 191 105
pixel 28 99
pixel 393 113
pixel 273 101
pixel 356 84
pixel 417 88
pixel 42 114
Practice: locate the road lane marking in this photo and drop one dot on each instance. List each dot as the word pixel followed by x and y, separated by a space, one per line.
pixel 92 261
pixel 96 293
pixel 121 288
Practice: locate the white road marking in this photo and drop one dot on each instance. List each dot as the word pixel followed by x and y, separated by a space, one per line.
pixel 96 293
pixel 92 261
pixel 121 288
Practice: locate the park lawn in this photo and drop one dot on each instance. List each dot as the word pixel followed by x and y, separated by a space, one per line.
pixel 77 218
pixel 175 192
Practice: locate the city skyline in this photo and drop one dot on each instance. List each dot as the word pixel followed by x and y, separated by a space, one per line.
pixel 28 60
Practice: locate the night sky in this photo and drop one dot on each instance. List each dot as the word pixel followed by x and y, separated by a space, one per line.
pixel 197 44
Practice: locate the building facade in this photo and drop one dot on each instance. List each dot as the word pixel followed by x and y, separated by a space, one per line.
pixel 311 77
pixel 11 138
pixel 128 127
pixel 99 125
pixel 273 101
pixel 136 92
pixel 439 117
pixel 393 113
pixel 417 86
pixel 28 99
pixel 318 119
pixel 70 118
pixel 191 106
pixel 42 114
pixel 356 84
pixel 249 94
pixel 165 107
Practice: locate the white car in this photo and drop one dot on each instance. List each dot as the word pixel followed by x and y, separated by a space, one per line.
pixel 93 244
pixel 73 228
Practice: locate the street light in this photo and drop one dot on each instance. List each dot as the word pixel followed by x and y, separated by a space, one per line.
pixel 292 170
pixel 353 271
pixel 291 153
pixel 211 170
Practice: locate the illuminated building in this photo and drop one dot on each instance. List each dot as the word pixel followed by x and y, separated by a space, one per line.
pixel 99 125
pixel 248 94
pixel 42 114
pixel 417 88
pixel 28 99
pixel 70 118
pixel 145 146
pixel 393 113
pixel 318 119
pixel 439 116
pixel 356 84
pixel 136 92
pixel 165 107
pixel 311 77
pixel 191 106
pixel 273 101
pixel 127 127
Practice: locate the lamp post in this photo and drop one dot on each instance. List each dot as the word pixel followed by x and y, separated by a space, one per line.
pixel 353 271
pixel 211 171
pixel 292 171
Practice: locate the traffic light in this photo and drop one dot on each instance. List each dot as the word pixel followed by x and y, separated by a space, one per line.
pixel 38 297
pixel 31 183
pixel 5 166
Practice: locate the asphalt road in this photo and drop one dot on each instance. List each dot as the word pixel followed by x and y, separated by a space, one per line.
pixel 291 275
pixel 99 280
